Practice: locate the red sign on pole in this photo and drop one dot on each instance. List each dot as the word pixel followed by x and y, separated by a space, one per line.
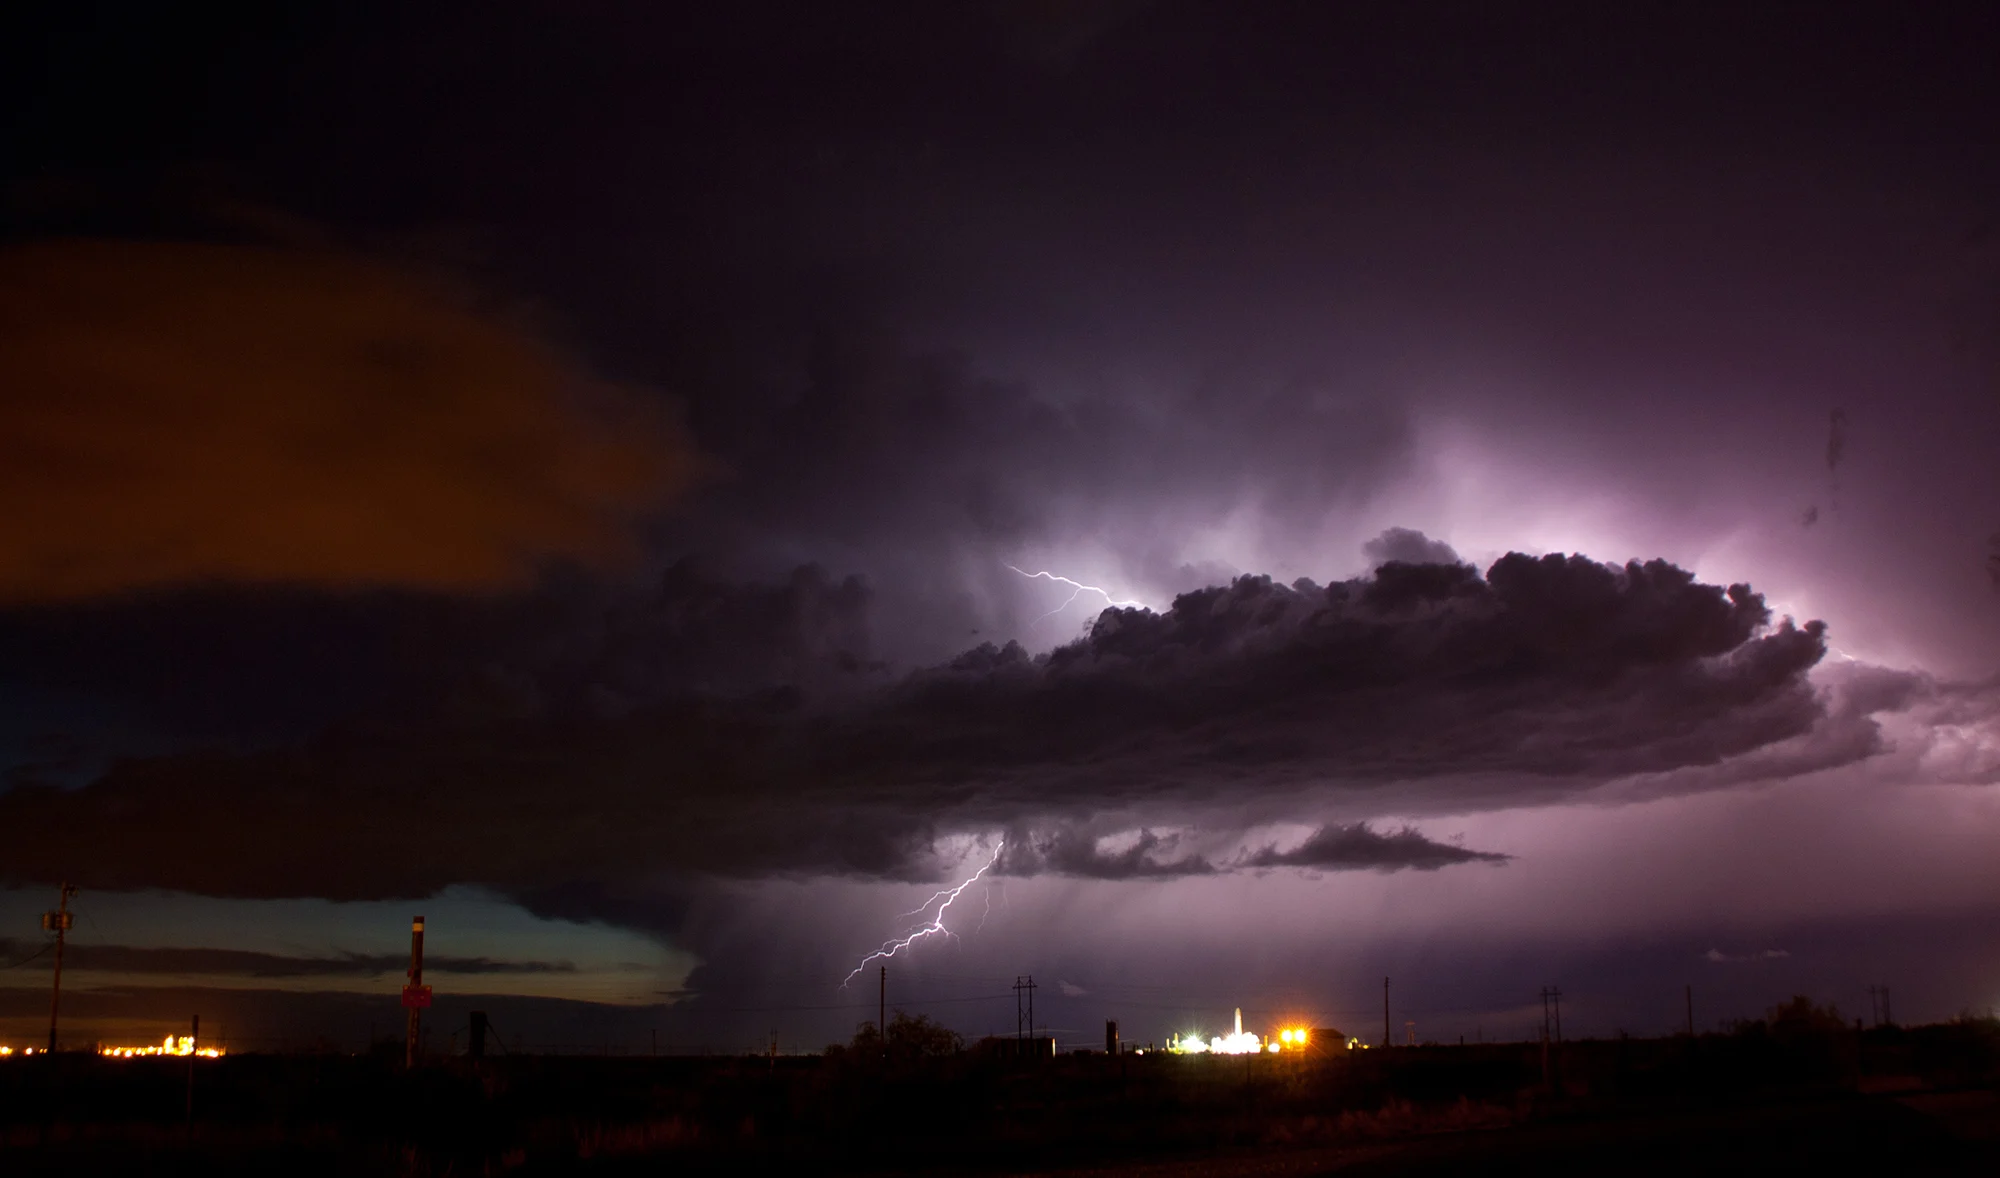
pixel 417 997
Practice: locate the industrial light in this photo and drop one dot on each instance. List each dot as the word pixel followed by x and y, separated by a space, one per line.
pixel 1239 1042
pixel 171 1045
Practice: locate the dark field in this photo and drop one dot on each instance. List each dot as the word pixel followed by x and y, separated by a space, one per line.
pixel 1895 1101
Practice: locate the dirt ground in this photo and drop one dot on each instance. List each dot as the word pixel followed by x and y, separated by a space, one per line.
pixel 1954 1133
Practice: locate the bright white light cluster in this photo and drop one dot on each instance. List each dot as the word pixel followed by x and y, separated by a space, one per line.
pixel 1238 1042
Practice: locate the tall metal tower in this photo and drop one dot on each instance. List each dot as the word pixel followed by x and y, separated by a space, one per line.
pixel 416 995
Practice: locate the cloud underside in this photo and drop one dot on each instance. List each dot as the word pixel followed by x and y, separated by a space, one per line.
pixel 1421 688
pixel 128 959
pixel 177 413
pixel 1354 846
pixel 1717 955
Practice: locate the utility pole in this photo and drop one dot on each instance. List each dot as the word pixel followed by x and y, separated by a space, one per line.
pixel 1690 1004
pixel 1024 984
pixel 1888 1019
pixel 58 922
pixel 416 995
pixel 1551 1004
pixel 1545 1036
pixel 882 1012
pixel 1385 1012
pixel 194 1046
pixel 1551 1033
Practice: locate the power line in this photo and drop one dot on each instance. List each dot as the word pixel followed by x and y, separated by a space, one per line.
pixel 859 1005
pixel 46 946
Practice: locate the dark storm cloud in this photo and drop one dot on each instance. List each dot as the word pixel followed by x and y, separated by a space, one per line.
pixel 1407 546
pixel 1852 700
pixel 931 475
pixel 1957 731
pixel 1357 845
pixel 1079 854
pixel 188 412
pixel 128 959
pixel 1545 677
pixel 579 649
pixel 1914 727
pixel 1556 667
pixel 1054 34
pixel 237 667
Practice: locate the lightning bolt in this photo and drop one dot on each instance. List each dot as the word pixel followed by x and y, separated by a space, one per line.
pixel 924 907
pixel 1077 589
pixel 936 926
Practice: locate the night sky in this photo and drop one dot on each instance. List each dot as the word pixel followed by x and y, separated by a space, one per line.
pixel 1518 488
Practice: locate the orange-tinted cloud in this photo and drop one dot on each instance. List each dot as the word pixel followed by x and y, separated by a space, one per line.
pixel 174 412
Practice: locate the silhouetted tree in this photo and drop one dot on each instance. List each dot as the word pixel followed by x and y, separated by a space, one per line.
pixel 909 1038
pixel 1800 1017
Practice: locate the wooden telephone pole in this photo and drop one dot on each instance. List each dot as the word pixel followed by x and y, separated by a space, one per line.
pixel 58 922
pixel 194 1048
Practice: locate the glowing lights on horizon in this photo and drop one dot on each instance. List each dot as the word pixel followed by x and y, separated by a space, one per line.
pixel 935 927
pixel 171 1045
pixel 1241 1042
pixel 182 1046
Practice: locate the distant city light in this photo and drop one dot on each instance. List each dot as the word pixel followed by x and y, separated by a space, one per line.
pixel 183 1045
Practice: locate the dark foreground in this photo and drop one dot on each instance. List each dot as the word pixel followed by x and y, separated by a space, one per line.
pixel 1924 1101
